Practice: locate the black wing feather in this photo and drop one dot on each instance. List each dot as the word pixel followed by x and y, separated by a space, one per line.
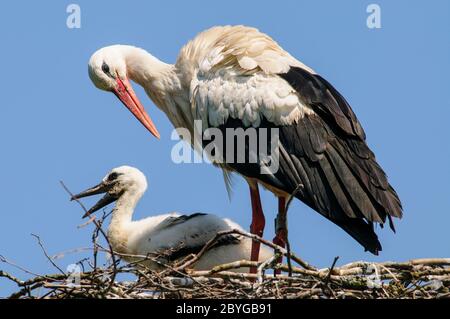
pixel 327 153
pixel 184 251
pixel 176 220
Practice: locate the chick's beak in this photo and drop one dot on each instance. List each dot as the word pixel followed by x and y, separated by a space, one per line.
pixel 98 189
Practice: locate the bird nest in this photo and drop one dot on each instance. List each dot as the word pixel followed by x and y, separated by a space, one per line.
pixel 419 278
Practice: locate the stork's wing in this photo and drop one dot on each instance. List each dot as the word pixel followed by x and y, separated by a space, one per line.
pixel 322 143
pixel 176 220
pixel 184 250
pixel 182 235
pixel 333 134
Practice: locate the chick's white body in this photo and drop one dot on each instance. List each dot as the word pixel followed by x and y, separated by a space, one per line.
pixel 152 236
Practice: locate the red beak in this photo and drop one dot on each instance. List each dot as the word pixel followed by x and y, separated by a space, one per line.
pixel 126 95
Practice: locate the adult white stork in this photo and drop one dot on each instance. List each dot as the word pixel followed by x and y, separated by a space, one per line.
pixel 166 237
pixel 238 77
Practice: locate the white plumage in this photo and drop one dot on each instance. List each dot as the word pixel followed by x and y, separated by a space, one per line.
pixel 217 98
pixel 234 73
pixel 169 236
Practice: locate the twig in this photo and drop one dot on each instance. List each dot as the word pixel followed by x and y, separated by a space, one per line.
pixel 331 270
pixel 252 236
pixel 263 266
pixel 11 277
pixel 46 254
pixel 98 225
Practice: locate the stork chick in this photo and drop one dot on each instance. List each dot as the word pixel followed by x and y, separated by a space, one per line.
pixel 169 236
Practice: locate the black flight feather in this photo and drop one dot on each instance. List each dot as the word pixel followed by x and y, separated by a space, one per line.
pixel 327 153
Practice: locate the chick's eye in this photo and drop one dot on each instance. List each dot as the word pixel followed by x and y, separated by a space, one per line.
pixel 112 176
pixel 105 68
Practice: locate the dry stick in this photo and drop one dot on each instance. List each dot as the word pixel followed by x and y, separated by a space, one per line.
pixel 81 263
pixel 251 236
pixel 95 236
pixel 46 255
pixel 156 260
pixel 327 279
pixel 11 277
pixel 63 253
pixel 234 265
pixel 25 291
pixel 203 250
pixel 99 227
pixel 94 241
pixel 263 266
pixel 36 282
pixel 90 220
pixel 331 270
pixel 51 291
pixel 26 284
pixel 288 258
pixel 3 259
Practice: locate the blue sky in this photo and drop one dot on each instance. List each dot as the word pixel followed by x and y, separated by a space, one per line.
pixel 54 125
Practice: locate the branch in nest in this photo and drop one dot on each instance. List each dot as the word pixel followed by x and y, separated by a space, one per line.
pixel 211 242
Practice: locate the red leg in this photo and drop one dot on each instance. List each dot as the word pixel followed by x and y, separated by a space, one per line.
pixel 280 238
pixel 258 223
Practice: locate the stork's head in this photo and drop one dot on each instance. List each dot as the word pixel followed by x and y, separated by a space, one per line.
pixel 118 181
pixel 108 72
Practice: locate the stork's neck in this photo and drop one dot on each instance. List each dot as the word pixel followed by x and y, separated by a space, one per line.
pixel 121 221
pixel 159 79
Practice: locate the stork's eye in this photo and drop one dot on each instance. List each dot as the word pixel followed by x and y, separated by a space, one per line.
pixel 112 176
pixel 105 68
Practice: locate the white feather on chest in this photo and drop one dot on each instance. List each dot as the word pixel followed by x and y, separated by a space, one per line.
pixel 217 97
